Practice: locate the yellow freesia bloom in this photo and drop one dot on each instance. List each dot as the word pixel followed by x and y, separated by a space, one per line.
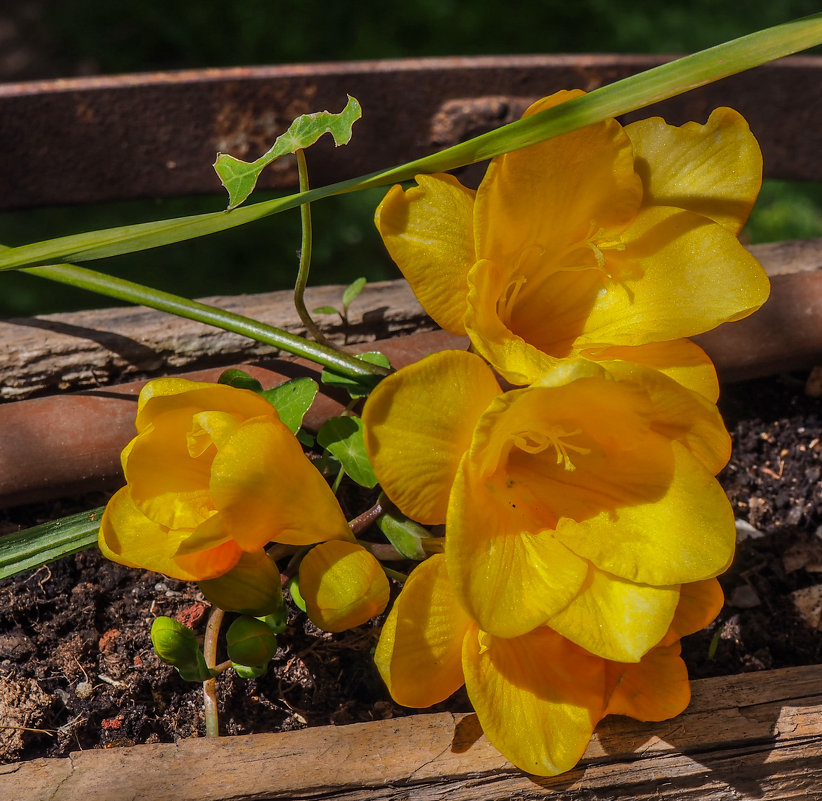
pixel 607 242
pixel 581 504
pixel 211 475
pixel 343 585
pixel 538 696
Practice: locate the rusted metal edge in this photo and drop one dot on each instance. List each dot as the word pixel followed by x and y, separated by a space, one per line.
pixel 156 135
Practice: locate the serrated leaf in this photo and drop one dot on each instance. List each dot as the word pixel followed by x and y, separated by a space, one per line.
pixel 292 400
pixel 361 386
pixel 351 292
pixel 325 310
pixel 240 177
pixel 404 534
pixel 343 438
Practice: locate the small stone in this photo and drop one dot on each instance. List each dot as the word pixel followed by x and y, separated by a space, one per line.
pixel 744 597
pixel 83 690
pixel 808 603
pixel 745 531
pixel 794 515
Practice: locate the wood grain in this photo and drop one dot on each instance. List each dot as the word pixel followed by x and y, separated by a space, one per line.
pixel 71 351
pixel 752 736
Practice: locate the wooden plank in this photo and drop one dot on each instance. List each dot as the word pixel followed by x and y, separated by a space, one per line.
pixel 753 736
pixel 94 139
pixel 72 351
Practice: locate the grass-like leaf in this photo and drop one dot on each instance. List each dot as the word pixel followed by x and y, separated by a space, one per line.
pixel 629 94
pixel 37 546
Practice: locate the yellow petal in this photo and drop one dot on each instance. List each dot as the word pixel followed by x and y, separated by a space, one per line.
pixel 680 359
pixel 516 359
pixel 343 585
pixel 680 414
pixel 163 395
pixel 536 202
pixel 419 654
pixel 509 575
pixel 713 169
pixel 617 619
pixel 686 535
pixel 681 275
pixel 419 422
pixel 538 697
pixel 428 231
pixel 129 537
pixel 656 688
pixel 699 603
pixel 265 489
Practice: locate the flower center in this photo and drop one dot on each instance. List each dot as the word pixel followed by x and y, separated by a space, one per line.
pixel 554 437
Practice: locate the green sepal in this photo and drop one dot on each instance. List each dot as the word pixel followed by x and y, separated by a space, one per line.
pixel 342 437
pixel 240 379
pixel 361 386
pixel 276 621
pixel 404 534
pixel 240 177
pixel 176 645
pixel 292 400
pixel 293 586
pixel 250 642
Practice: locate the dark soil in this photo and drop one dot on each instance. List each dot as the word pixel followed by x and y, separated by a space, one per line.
pixel 77 669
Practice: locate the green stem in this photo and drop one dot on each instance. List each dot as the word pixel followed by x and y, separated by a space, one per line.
pixel 121 289
pixel 212 719
pixel 305 256
pixel 394 574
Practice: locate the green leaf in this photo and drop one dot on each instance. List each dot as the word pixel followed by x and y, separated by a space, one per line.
pixel 48 542
pixel 629 94
pixel 404 534
pixel 240 177
pixel 176 645
pixel 351 292
pixel 240 380
pixel 292 400
pixel 276 621
pixel 342 437
pixel 325 310
pixel 360 386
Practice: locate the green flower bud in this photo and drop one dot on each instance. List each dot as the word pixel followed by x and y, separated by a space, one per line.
pixel 250 642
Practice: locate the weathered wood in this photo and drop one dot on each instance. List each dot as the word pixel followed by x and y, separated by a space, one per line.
pixel 753 736
pixel 93 139
pixel 59 352
pixel 70 351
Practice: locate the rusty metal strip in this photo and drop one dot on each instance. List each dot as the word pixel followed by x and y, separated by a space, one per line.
pixel 156 135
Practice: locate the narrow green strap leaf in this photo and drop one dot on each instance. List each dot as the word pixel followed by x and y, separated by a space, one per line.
pixel 629 94
pixel 240 177
pixel 343 438
pixel 37 546
pixel 121 289
pixel 292 400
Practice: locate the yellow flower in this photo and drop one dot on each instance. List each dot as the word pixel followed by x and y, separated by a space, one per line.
pixel 538 696
pixel 581 505
pixel 607 242
pixel 212 475
pixel 343 585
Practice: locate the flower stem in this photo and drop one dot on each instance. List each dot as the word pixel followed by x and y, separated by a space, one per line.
pixel 305 256
pixel 363 521
pixel 121 289
pixel 212 720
